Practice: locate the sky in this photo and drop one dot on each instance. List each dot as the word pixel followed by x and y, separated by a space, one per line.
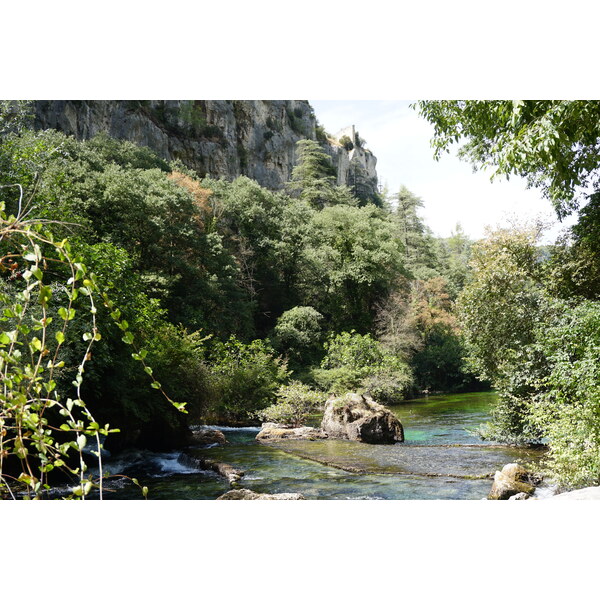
pixel 451 192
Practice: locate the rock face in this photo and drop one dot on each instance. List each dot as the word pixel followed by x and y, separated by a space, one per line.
pixel 244 494
pixel 360 418
pixel 275 431
pixel 513 480
pixel 232 474
pixel 205 436
pixel 220 138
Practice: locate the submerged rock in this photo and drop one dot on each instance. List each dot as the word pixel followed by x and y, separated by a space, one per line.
pixel 205 436
pixel 207 464
pixel 275 431
pixel 511 481
pixel 244 494
pixel 360 418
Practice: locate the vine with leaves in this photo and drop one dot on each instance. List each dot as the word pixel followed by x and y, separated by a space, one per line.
pixel 44 421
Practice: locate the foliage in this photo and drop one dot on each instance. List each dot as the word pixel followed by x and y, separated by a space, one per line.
pixel 42 428
pixel 574 267
pixel 552 143
pixel 503 301
pixel 352 258
pixel 567 408
pixel 245 377
pixel 295 403
pixel 359 362
pixel 346 142
pixel 314 176
pixel 298 334
pixel 264 232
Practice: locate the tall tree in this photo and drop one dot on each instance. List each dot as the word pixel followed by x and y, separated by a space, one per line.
pixel 314 177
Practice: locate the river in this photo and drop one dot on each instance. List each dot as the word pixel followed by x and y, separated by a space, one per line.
pixel 442 458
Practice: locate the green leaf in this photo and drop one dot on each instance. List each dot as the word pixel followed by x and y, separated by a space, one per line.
pixel 60 337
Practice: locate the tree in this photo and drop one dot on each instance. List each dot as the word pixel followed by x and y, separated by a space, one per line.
pixel 419 248
pixel 298 334
pixel 501 305
pixel 314 177
pixel 295 403
pixel 356 362
pixel 554 144
pixel 352 259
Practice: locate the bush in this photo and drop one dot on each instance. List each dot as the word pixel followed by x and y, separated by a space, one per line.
pixel 356 362
pixel 298 334
pixel 346 142
pixel 245 377
pixel 295 403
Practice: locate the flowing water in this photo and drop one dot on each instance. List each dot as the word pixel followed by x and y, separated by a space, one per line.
pixel 442 458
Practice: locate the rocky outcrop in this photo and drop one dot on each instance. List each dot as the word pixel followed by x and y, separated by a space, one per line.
pixel 588 493
pixel 275 431
pixel 232 474
pixel 512 480
pixel 360 418
pixel 220 138
pixel 244 494
pixel 204 436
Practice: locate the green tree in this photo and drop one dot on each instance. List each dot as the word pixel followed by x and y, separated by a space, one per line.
pixel 298 334
pixel 356 362
pixel 352 260
pixel 295 403
pixel 314 177
pixel 501 305
pixel 419 248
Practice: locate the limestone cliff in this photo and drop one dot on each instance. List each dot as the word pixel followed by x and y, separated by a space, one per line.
pixel 221 138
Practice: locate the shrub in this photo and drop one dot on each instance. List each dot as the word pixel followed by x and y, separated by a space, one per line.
pixel 245 377
pixel 298 334
pixel 295 403
pixel 346 142
pixel 356 362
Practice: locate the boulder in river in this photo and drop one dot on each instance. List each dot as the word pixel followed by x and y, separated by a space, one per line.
pixel 275 431
pixel 512 480
pixel 204 436
pixel 244 494
pixel 360 418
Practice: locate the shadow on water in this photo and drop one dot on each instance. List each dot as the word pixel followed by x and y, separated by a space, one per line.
pixel 441 459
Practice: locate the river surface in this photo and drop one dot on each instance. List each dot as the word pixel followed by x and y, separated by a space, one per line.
pixel 442 458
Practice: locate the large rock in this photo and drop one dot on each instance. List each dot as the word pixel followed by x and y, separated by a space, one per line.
pixel 244 494
pixel 512 480
pixel 205 436
pixel 275 431
pixel 360 418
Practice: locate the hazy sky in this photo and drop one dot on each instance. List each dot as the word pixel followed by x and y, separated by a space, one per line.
pixel 451 192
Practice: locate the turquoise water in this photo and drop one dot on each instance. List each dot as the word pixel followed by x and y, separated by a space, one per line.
pixel 441 459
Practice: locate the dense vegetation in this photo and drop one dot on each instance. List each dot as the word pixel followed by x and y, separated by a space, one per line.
pixel 531 315
pixel 234 294
pixel 241 303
